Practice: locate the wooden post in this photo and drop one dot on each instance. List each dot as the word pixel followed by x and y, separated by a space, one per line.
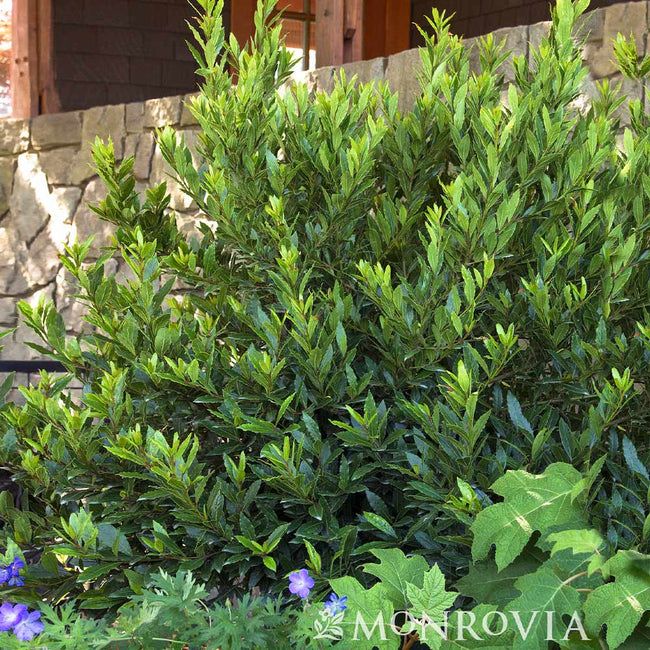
pixel 306 35
pixel 350 30
pixel 48 96
pixel 24 63
pixel 330 23
pixel 33 90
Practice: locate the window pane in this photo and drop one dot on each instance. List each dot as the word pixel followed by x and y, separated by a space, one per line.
pixel 297 14
pixel 293 32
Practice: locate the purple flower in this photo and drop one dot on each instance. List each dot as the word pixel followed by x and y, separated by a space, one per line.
pixel 10 574
pixel 29 626
pixel 11 615
pixel 335 604
pixel 301 583
pixel 15 567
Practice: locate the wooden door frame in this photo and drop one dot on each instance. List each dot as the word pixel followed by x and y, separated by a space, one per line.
pixel 33 89
pixel 352 30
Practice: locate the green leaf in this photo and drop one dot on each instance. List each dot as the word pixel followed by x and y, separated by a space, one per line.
pixel 583 487
pixel 396 571
pixel 136 580
pixel 284 406
pixel 314 557
pixel 341 338
pixel 250 544
pixel 542 591
pixel 516 414
pixel 632 458
pixel 274 538
pixel 580 542
pixel 379 523
pixel 486 584
pixel 431 599
pixel 619 605
pixel 373 607
pixel 97 571
pixel 538 442
pixel 110 537
pixel 531 503
pixel 6 386
pixel 463 640
pixel 95 602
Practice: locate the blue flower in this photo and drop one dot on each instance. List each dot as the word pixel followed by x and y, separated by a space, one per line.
pixel 11 615
pixel 335 604
pixel 10 575
pixel 301 583
pixel 29 626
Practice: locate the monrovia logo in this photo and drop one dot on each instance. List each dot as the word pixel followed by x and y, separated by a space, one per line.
pixel 329 627
pixel 466 626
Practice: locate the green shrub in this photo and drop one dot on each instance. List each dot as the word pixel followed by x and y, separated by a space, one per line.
pixel 385 311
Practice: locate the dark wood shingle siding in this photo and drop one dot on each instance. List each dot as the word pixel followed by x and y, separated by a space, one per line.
pixel 114 51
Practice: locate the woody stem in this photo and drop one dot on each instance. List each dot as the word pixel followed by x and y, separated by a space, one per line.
pixel 410 641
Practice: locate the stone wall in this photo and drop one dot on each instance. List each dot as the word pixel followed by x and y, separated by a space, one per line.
pixel 46 184
pixel 46 180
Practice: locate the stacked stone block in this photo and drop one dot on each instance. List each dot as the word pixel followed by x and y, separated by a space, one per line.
pixel 47 183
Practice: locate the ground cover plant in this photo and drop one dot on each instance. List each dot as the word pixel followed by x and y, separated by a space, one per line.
pixel 390 321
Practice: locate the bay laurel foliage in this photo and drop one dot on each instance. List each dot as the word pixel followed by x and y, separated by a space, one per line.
pixel 384 312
